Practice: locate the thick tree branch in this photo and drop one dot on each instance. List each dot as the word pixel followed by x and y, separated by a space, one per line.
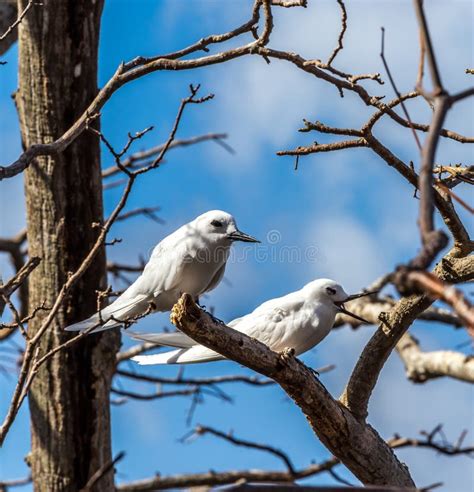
pixel 374 462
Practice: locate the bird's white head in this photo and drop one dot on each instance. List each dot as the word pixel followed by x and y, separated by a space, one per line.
pixel 333 295
pixel 326 291
pixel 221 227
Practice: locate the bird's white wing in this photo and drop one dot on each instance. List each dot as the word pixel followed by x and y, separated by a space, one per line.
pixel 270 322
pixel 162 273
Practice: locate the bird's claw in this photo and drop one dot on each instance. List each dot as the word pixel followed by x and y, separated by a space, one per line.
pixel 315 372
pixel 214 318
pixel 286 355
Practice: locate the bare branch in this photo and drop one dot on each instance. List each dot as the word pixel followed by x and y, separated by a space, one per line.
pixel 17 482
pixel 440 445
pixel 15 282
pixel 135 350
pixel 397 92
pixel 101 472
pixel 213 478
pixel 19 19
pixel 135 159
pixel 179 380
pixel 341 34
pixel 312 149
pixel 421 366
pixel 201 430
pixel 157 395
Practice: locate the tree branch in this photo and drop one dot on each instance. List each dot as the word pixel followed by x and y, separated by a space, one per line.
pixel 421 366
pixel 374 462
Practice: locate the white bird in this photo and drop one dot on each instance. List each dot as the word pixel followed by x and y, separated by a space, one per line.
pixel 298 321
pixel 192 259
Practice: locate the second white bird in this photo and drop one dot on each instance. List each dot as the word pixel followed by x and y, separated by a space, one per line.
pixel 299 321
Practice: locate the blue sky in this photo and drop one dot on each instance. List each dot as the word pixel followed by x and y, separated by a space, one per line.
pixel 349 207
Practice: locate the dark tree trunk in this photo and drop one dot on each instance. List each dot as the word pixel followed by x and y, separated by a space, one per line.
pixel 69 400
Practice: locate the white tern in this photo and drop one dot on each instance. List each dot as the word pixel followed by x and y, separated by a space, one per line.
pixel 192 259
pixel 298 321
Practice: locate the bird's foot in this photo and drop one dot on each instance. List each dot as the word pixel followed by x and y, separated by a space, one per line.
pixel 286 355
pixel 214 318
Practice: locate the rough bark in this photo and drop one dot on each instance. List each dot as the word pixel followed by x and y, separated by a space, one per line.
pixel 69 399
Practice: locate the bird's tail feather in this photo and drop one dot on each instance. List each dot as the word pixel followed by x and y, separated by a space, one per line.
pixel 180 356
pixel 175 339
pixel 121 309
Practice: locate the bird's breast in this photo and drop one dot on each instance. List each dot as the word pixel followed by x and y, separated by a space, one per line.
pixel 200 270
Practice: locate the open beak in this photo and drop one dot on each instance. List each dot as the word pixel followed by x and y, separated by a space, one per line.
pixel 241 236
pixel 342 309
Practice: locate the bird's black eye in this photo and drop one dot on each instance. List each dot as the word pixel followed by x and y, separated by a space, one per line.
pixel 216 223
pixel 330 291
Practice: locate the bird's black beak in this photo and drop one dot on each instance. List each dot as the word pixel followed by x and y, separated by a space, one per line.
pixel 241 236
pixel 342 309
pixel 361 294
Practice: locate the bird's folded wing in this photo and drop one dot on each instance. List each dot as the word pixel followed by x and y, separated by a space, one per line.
pixel 270 321
pixel 165 270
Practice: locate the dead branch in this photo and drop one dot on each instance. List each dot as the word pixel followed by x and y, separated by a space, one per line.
pixel 101 472
pixel 179 380
pixel 435 440
pixel 137 158
pixel 17 281
pixel 158 395
pixel 135 350
pixel 339 46
pixel 148 212
pixel 8 15
pixel 17 482
pixel 19 19
pixel 422 366
pixel 201 430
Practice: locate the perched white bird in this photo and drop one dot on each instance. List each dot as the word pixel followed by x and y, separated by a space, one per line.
pixel 192 259
pixel 299 321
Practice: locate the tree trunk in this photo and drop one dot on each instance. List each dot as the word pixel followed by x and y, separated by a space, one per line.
pixel 69 399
